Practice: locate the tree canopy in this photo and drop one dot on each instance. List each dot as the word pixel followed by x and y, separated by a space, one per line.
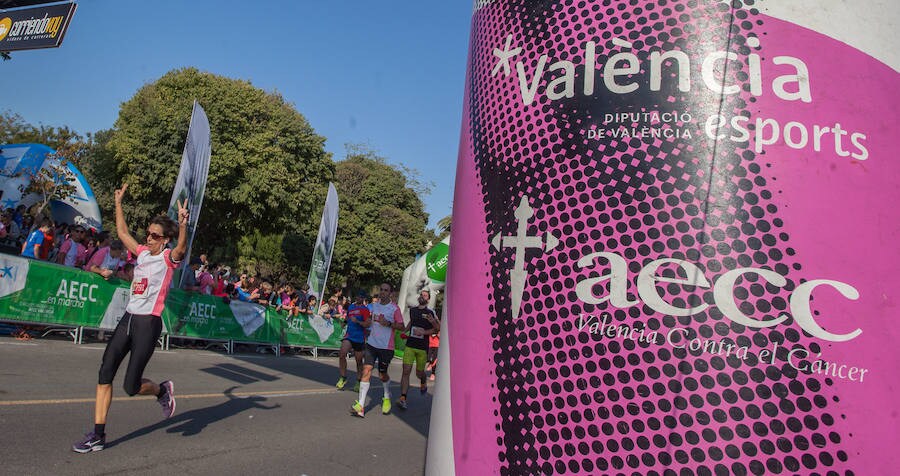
pixel 268 171
pixel 382 223
pixel 268 178
pixel 14 130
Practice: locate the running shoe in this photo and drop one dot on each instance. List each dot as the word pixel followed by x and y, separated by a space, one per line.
pixel 401 402
pixel 423 388
pixel 356 387
pixel 167 401
pixel 91 442
pixel 340 383
pixel 385 405
pixel 357 410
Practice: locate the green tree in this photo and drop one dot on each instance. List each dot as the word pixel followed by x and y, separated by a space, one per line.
pixel 268 171
pixel 262 255
pixel 443 227
pixel 297 252
pixel 50 182
pixel 98 165
pixel 382 221
pixel 14 130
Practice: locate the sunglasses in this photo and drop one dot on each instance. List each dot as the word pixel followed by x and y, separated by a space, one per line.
pixel 155 236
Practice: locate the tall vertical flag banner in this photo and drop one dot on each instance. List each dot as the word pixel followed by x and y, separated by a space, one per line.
pixel 321 259
pixel 191 183
pixel 674 244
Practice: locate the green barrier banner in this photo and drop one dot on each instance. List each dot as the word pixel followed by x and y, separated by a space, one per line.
pixel 316 331
pixel 35 291
pixel 209 317
pixel 196 315
pixel 40 292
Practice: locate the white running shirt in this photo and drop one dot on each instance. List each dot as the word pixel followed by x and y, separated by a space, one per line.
pixel 382 337
pixel 150 286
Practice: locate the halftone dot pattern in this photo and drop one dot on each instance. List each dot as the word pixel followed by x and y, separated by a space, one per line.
pixel 571 401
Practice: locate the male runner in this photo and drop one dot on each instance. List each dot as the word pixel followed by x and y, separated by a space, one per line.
pixel 140 327
pixel 386 318
pixel 422 324
pixel 358 319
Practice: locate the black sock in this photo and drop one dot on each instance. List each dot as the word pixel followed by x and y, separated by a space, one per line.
pixel 162 391
pixel 100 429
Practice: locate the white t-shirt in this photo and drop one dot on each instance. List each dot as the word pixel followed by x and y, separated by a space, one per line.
pixel 110 262
pixel 382 337
pixel 152 277
pixel 73 251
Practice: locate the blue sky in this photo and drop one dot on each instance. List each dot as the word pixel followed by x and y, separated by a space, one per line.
pixel 387 74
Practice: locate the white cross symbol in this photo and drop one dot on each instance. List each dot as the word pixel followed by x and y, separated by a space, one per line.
pixel 520 242
pixel 504 56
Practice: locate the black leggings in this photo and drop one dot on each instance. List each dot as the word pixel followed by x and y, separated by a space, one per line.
pixel 136 334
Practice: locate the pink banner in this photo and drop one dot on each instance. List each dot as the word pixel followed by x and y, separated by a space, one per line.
pixel 674 245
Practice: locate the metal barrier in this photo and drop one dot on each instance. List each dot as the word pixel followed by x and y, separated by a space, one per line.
pixel 76 333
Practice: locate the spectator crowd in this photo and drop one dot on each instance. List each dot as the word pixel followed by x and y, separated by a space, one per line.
pixel 79 247
pixel 69 245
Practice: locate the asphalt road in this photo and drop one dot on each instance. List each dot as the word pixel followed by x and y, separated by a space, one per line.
pixel 236 414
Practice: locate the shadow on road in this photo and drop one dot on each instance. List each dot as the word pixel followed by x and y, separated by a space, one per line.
pixel 239 374
pixel 417 417
pixel 193 422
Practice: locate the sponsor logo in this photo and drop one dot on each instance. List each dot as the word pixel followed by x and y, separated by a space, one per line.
pixel 31 29
pixel 139 287
pixel 76 290
pixel 610 272
pixel 8 272
pixel 521 241
pixel 626 72
pixel 5 25
pixel 200 313
pixel 73 294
